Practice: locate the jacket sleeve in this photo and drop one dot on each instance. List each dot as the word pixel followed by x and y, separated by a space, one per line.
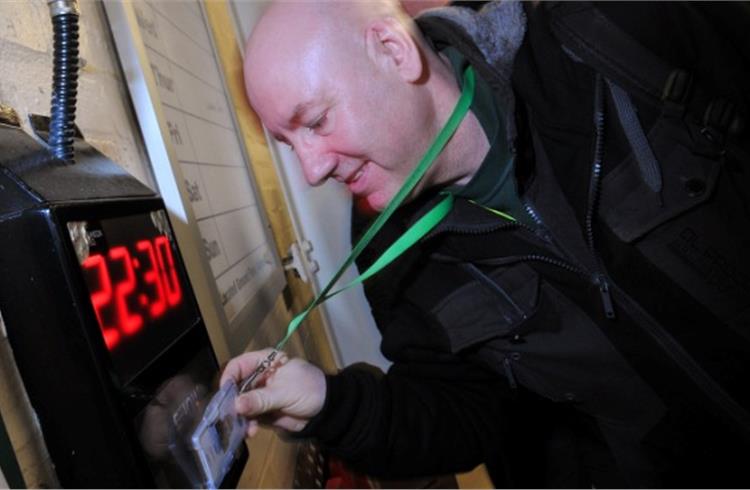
pixel 432 413
pixel 415 420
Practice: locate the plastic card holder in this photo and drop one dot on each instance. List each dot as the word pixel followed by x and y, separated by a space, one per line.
pixel 218 435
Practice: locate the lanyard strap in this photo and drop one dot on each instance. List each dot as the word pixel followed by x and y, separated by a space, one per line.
pixel 416 231
pixel 494 211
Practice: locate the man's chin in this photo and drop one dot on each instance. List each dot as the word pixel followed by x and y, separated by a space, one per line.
pixel 364 207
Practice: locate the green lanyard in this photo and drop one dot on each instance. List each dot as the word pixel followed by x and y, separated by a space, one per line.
pixel 494 211
pixel 416 231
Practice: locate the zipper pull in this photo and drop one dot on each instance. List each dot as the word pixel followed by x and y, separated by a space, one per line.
pixel 607 303
pixel 509 374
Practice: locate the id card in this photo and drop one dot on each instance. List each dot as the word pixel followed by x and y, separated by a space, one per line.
pixel 218 435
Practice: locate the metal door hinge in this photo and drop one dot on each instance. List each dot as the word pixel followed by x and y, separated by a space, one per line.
pixel 300 261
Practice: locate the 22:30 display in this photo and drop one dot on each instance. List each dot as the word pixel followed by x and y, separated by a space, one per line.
pixel 130 293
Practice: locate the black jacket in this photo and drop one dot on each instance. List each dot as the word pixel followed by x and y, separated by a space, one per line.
pixel 609 344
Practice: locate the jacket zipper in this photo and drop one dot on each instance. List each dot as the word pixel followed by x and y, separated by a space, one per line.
pixel 540 232
pixel 595 276
pixel 593 200
pixel 520 315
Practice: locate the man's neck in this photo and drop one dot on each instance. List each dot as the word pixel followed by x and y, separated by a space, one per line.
pixel 465 151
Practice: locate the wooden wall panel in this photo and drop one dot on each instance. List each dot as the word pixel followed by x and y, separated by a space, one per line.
pixel 299 293
pixel 272 459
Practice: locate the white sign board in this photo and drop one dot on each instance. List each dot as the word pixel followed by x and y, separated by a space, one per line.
pixel 179 93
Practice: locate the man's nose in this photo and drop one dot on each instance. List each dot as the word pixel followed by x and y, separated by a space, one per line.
pixel 317 165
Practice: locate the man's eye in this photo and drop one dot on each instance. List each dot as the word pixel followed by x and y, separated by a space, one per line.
pixel 318 123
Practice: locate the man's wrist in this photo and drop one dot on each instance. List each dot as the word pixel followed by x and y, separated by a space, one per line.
pixel 320 426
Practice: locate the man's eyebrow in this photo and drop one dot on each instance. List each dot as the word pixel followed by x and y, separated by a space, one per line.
pixel 299 110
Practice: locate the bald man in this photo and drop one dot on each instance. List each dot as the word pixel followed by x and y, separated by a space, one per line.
pixel 580 317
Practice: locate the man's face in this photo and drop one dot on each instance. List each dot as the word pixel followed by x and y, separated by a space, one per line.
pixel 345 117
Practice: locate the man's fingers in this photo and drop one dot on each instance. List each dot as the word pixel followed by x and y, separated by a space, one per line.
pixel 257 402
pixel 291 424
pixel 243 365
pixel 276 419
pixel 252 428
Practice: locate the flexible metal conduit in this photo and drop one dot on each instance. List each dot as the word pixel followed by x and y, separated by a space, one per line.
pixel 65 78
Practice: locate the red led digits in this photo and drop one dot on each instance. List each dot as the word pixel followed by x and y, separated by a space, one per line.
pixel 128 322
pixel 169 273
pixel 159 306
pixel 101 298
pixel 130 290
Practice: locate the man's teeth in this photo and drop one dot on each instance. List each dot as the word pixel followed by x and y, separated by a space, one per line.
pixel 357 175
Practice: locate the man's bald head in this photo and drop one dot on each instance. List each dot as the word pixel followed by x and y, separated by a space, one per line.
pixel 315 35
pixel 321 20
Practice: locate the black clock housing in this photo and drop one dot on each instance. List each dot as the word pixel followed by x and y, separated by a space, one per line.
pixel 95 399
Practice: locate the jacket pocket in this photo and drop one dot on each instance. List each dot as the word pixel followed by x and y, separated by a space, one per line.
pixel 698 235
pixel 631 209
pixel 494 304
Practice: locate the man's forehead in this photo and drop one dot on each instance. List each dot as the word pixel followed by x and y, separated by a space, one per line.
pixel 288 19
pixel 279 45
pixel 285 101
pixel 294 82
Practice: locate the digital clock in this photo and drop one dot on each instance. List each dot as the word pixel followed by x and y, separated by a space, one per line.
pixel 135 285
pixel 120 299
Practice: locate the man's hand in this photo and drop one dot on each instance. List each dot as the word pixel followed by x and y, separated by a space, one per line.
pixel 287 396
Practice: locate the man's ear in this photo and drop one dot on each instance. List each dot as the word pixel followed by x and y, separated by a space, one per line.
pixel 391 46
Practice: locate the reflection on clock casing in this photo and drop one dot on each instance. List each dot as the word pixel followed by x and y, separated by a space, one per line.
pixel 136 287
